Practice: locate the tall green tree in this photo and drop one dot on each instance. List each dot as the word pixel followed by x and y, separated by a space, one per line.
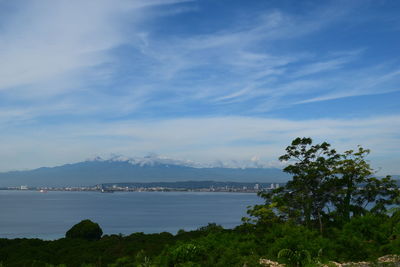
pixel 312 169
pixel 357 191
pixel 352 171
pixel 326 186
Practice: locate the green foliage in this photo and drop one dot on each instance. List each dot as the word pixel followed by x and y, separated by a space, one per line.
pixel 187 253
pixel 308 192
pixel 123 262
pixel 262 214
pixel 295 258
pixel 363 237
pixel 357 192
pixel 211 228
pixel 352 172
pixel 86 229
pixel 296 238
pixel 327 188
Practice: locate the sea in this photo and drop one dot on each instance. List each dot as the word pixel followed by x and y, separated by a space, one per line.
pixel 31 214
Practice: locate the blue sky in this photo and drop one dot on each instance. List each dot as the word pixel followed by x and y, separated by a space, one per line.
pixel 197 80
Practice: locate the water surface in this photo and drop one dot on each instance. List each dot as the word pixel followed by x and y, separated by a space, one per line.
pixel 50 215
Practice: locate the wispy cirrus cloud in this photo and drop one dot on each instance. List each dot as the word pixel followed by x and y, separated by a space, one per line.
pixel 69 52
pixel 369 82
pixel 253 70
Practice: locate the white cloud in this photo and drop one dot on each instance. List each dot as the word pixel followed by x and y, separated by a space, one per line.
pixel 46 43
pixel 198 139
pixel 43 43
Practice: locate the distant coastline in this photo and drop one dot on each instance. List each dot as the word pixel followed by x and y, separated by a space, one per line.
pixel 184 186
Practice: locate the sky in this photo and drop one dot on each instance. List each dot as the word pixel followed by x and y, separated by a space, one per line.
pixel 201 80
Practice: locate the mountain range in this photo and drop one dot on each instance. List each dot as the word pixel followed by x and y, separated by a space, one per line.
pixel 148 169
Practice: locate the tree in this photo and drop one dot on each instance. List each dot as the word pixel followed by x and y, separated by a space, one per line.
pixel 311 167
pixel 86 229
pixel 356 190
pixel 326 186
pixel 352 170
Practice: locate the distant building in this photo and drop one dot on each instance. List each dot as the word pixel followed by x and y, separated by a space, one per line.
pixel 256 187
pixel 24 187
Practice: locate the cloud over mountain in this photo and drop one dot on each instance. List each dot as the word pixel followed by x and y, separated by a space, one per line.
pixel 124 170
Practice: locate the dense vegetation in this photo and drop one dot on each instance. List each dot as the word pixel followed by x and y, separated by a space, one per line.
pixel 333 209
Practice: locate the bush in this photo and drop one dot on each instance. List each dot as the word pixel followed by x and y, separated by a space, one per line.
pixel 86 229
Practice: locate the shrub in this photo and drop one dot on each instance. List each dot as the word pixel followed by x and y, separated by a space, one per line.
pixel 86 229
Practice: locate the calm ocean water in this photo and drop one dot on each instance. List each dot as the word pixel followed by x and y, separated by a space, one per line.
pixel 50 215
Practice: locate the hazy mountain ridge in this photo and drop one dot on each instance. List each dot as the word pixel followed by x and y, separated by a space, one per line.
pixel 149 169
